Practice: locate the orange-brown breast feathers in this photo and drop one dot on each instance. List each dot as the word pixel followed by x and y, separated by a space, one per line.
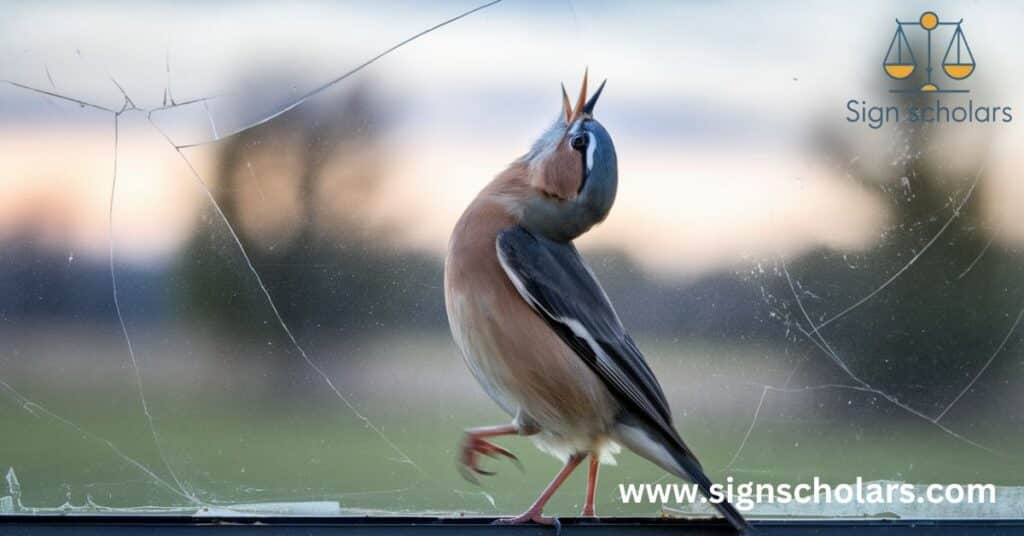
pixel 558 174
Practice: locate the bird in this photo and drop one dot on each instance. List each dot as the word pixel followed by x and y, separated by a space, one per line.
pixel 537 330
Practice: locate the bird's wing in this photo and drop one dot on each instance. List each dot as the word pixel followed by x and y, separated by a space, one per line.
pixel 555 282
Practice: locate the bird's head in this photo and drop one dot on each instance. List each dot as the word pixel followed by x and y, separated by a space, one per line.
pixel 571 173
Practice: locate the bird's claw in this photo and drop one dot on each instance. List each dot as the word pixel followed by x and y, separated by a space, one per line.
pixel 469 458
pixel 532 517
pixel 529 517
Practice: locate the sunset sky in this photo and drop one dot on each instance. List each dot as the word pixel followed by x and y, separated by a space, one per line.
pixel 713 112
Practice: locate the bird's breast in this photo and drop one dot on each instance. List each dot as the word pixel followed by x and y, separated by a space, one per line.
pixel 518 359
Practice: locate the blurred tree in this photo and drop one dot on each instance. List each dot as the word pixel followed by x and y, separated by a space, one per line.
pixel 298 191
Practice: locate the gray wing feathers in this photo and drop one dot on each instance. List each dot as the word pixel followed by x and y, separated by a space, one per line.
pixel 552 278
pixel 555 282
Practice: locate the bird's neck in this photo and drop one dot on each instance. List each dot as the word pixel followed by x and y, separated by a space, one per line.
pixel 495 208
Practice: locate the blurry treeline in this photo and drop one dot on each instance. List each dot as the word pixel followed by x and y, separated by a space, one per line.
pixel 297 191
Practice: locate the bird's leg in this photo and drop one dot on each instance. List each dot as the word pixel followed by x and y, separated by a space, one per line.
pixel 534 512
pixel 474 444
pixel 588 506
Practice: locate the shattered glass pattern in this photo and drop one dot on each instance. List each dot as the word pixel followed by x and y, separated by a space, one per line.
pixel 223 229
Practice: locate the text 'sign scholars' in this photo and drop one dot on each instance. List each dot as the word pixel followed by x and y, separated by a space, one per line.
pixel 858 111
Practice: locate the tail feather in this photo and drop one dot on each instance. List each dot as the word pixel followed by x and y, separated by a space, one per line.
pixel 672 455
pixel 692 470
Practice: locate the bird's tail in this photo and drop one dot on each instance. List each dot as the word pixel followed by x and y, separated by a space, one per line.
pixel 693 471
pixel 672 455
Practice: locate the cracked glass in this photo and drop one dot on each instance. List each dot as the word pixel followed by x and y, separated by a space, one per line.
pixel 222 232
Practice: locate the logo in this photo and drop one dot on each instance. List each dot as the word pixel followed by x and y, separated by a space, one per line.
pixel 931 35
pixel 957 63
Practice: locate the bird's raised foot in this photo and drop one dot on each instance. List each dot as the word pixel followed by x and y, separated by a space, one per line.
pixel 469 458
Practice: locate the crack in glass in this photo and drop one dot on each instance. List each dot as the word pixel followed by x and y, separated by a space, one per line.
pixel 815 351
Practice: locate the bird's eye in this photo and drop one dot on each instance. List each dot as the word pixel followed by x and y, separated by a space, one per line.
pixel 578 142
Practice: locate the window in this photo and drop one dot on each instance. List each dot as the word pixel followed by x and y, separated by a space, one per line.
pixel 222 232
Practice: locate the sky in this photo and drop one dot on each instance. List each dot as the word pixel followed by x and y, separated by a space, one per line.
pixel 714 109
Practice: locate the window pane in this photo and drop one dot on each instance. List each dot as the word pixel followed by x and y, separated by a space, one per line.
pixel 223 229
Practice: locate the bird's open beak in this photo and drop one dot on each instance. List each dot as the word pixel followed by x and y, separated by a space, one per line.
pixel 583 107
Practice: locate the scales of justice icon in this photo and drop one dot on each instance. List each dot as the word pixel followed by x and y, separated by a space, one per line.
pixel 900 62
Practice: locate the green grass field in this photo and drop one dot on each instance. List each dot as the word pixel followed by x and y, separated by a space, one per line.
pixel 239 444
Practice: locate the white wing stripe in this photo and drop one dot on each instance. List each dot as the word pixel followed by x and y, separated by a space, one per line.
pixel 612 371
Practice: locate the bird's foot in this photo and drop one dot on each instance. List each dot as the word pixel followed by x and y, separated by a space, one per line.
pixel 530 516
pixel 469 459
